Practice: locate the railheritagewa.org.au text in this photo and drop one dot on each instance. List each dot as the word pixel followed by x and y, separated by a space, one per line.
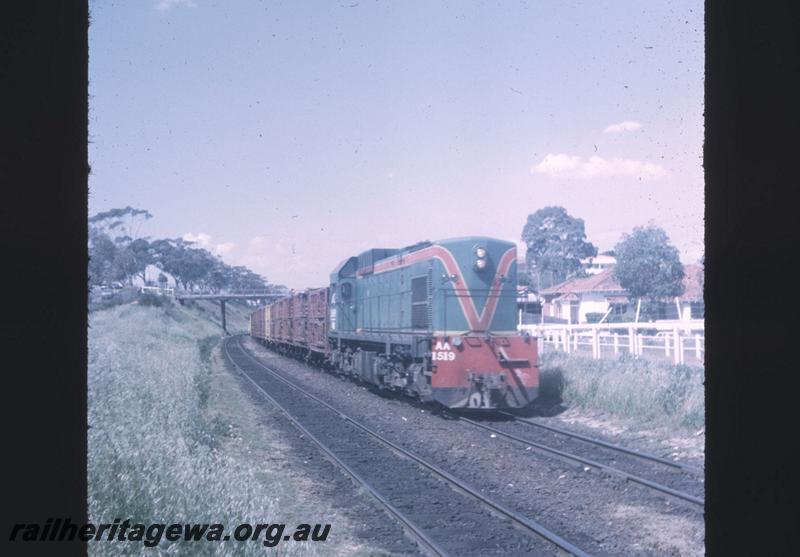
pixel 153 534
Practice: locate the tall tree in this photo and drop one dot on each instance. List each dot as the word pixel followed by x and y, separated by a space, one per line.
pixel 142 254
pixel 556 244
pixel 648 266
pixel 120 224
pixel 102 252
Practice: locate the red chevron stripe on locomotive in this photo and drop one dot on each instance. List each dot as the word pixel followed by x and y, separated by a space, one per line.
pixel 476 322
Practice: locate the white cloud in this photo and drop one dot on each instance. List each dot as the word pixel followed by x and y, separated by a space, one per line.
pixel 205 241
pixel 554 165
pixel 201 239
pixel 573 166
pixel 626 126
pixel 224 247
pixel 164 5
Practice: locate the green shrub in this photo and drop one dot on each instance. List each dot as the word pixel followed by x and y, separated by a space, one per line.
pixel 626 317
pixel 594 317
pixel 551 384
pixel 154 300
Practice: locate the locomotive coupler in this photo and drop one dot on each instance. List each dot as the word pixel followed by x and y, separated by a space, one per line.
pixel 481 387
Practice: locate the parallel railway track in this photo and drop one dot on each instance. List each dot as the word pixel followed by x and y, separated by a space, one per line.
pixel 443 514
pixel 591 462
pixel 600 443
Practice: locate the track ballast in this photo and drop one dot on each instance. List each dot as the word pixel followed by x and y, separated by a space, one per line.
pixel 441 513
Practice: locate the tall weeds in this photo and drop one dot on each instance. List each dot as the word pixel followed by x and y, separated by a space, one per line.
pixel 152 456
pixel 628 387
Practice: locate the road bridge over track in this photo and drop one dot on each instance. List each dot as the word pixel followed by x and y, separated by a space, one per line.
pixel 223 299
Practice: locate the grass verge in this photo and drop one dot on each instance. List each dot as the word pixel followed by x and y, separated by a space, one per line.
pixel 162 443
pixel 631 388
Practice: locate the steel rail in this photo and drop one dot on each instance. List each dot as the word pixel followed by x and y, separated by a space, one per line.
pixel 518 519
pixel 593 463
pixel 416 533
pixel 633 452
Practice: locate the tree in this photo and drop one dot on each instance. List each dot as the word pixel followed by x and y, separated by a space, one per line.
pixel 102 252
pixel 648 266
pixel 120 224
pixel 190 266
pixel 556 244
pixel 117 254
pixel 142 255
pixel 123 267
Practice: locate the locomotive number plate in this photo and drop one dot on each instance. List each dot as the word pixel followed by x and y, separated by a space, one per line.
pixel 442 352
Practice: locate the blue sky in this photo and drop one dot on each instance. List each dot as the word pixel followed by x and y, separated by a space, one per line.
pixel 286 136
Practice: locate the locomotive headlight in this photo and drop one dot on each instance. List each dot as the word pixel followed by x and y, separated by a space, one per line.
pixel 480 258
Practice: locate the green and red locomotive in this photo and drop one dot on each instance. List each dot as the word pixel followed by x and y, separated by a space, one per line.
pixel 436 320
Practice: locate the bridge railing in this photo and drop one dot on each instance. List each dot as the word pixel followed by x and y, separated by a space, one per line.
pixel 157 290
pixel 189 294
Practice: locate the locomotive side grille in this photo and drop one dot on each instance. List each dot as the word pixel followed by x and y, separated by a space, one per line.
pixel 419 303
pixel 430 292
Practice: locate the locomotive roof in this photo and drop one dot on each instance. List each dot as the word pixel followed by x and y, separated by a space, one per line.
pixel 420 245
pixel 348 267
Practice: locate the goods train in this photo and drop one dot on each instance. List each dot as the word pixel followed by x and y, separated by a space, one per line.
pixel 436 320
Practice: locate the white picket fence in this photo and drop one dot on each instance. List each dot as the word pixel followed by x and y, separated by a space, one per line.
pixel 678 341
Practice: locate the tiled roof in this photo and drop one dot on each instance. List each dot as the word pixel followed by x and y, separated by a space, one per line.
pixel 604 282
pixel 601 282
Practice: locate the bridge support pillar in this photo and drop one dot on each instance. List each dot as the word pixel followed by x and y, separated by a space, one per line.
pixel 222 307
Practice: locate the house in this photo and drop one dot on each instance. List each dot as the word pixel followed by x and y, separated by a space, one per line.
pixel 151 273
pixel 597 264
pixel 571 300
pixel 528 306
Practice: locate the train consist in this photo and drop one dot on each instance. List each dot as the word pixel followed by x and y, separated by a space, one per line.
pixel 436 320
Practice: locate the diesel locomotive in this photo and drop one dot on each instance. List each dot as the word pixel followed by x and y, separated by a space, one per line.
pixel 436 320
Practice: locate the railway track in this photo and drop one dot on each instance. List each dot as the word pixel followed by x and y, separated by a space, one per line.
pixel 600 443
pixel 443 514
pixel 610 465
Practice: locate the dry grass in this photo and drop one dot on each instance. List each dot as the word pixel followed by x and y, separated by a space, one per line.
pixel 627 387
pixel 156 454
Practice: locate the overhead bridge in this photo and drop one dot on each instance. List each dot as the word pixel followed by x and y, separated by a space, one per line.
pixel 223 298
